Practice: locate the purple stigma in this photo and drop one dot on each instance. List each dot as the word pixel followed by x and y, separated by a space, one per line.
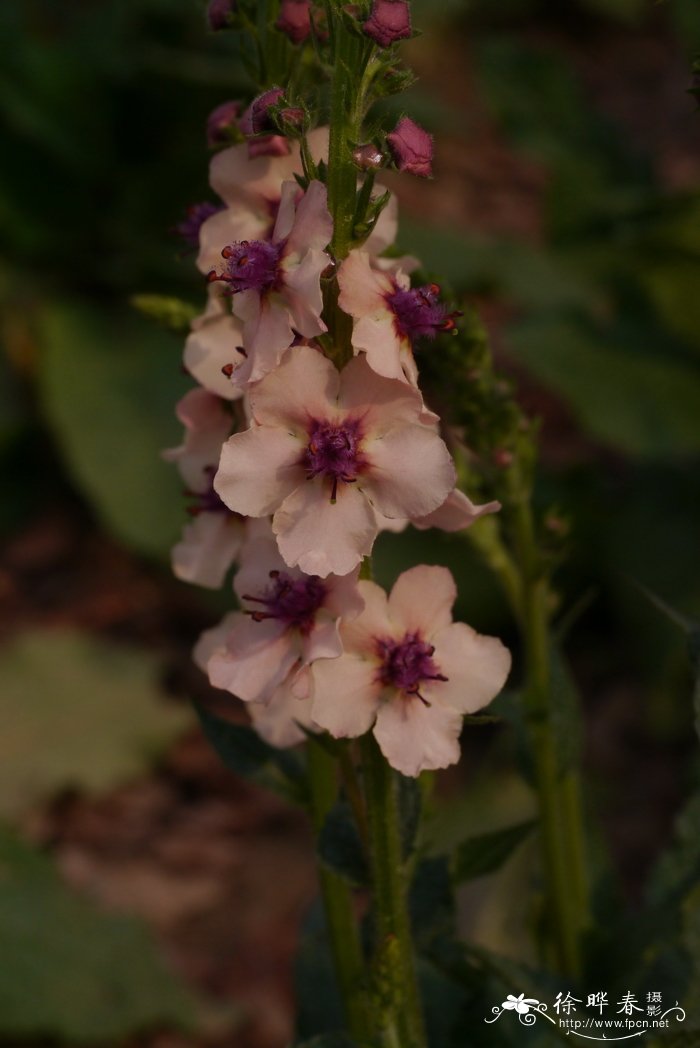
pixel 293 601
pixel 195 217
pixel 334 451
pixel 251 265
pixel 418 312
pixel 207 501
pixel 407 663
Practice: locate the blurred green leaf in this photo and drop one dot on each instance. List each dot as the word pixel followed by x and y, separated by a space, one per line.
pixel 77 711
pixel 243 752
pixel 486 853
pixel 69 971
pixel 340 847
pixel 171 313
pixel 109 387
pixel 319 1004
pixel 634 401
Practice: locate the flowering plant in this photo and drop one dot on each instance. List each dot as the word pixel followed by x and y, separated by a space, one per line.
pixel 319 358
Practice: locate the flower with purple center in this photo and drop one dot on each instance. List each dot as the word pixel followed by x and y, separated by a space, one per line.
pixel 412 148
pixel 251 265
pixel 389 21
pixel 408 672
pixel 277 284
pixel 195 216
pixel 334 451
pixel 212 349
pixel 389 315
pixel 263 653
pixel 407 663
pixel 326 452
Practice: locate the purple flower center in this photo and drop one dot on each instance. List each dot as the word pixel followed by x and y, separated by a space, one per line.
pixel 334 451
pixel 293 601
pixel 206 501
pixel 407 663
pixel 251 265
pixel 419 313
pixel 195 216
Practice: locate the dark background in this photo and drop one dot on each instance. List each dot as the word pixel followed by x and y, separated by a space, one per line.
pixel 141 885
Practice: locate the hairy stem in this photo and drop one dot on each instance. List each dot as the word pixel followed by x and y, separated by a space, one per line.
pixel 342 927
pixel 400 1014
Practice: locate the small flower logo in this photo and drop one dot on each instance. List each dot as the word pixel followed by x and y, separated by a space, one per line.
pixel 521 1004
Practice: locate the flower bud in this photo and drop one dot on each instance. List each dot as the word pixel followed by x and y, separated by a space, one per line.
pixel 295 19
pixel 412 148
pixel 223 124
pixel 389 21
pixel 259 113
pixel 219 13
pixel 367 157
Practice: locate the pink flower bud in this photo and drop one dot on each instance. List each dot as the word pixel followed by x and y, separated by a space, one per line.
pixel 259 112
pixel 412 148
pixel 223 123
pixel 389 21
pixel 368 156
pixel 219 13
pixel 295 19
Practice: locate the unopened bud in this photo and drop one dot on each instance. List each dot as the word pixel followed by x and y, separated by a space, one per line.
pixel 412 148
pixel 223 124
pixel 368 157
pixel 259 112
pixel 389 21
pixel 220 12
pixel 295 19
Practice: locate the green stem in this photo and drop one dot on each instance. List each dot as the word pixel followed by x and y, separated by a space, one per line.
pixel 400 1018
pixel 559 802
pixel 342 927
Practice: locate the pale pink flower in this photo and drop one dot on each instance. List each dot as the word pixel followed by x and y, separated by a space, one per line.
pixel 409 672
pixel 214 348
pixel 211 542
pixel 389 316
pixel 262 654
pixel 456 513
pixel 325 451
pixel 250 187
pixel 276 283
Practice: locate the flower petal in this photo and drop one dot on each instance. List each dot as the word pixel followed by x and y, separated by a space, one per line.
pixel 302 293
pixel 223 228
pixel 277 720
pixel 210 346
pixel 267 332
pixel 207 549
pixel 422 599
pixel 411 472
pixel 456 513
pixel 256 659
pixel 363 289
pixel 345 695
pixel 382 403
pixel 313 225
pixel 476 666
pixel 303 387
pixel 321 536
pixel 360 634
pixel 414 737
pixel 258 470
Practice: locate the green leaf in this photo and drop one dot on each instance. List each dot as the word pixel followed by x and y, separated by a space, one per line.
pixel 109 387
pixel 77 711
pixel 243 752
pixel 640 403
pixel 340 847
pixel 319 1004
pixel 487 852
pixel 68 970
pixel 171 313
